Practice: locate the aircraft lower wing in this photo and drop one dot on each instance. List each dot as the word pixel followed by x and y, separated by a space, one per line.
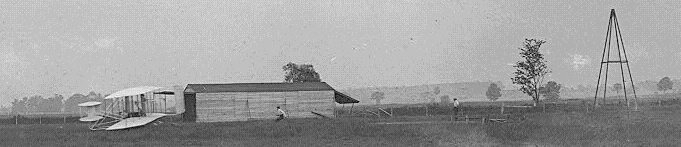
pixel 135 121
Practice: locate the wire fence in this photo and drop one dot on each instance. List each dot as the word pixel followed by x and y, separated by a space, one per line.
pixel 55 118
pixel 505 108
pixel 40 118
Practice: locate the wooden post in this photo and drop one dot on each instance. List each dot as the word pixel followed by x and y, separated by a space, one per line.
pixel 16 119
pixel 40 119
pixel 249 109
pixel 64 118
pixel 461 110
pixel 502 108
pixel 426 109
pixel 353 105
pixel 342 109
pixel 392 114
pixel 544 107
pixel 334 108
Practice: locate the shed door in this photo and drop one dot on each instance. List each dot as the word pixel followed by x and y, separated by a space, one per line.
pixel 190 107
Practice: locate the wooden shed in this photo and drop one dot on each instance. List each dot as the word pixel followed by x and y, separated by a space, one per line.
pixel 252 101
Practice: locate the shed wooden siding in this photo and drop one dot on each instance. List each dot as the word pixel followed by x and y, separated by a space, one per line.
pixel 241 106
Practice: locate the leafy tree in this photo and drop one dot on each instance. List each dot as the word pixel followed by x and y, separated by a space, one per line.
pixel 530 72
pixel 37 103
pixel 71 104
pixel 92 95
pixel 51 104
pixel 444 99
pixel 19 106
pixel 3 108
pixel 57 103
pixel 33 103
pixel 378 96
pixel 300 73
pixel 617 87
pixel 493 92
pixel 551 90
pixel 664 84
pixel 436 90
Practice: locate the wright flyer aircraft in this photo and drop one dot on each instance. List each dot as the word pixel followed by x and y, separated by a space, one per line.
pixel 138 106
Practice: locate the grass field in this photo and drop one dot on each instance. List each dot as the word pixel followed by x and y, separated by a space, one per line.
pixel 607 126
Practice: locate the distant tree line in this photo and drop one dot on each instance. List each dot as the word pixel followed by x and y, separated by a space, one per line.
pixel 56 103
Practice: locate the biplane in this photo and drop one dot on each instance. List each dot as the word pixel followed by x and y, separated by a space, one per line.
pixel 133 107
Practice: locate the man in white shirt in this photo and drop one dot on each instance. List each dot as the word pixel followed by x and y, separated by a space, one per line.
pixel 281 114
pixel 456 107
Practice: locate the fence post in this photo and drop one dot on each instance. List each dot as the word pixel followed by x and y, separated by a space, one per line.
pixel 40 119
pixel 502 108
pixel 587 108
pixel 16 119
pixel 426 109
pixel 544 107
pixel 391 112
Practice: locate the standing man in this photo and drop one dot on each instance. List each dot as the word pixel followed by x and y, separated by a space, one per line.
pixel 281 114
pixel 143 111
pixel 456 106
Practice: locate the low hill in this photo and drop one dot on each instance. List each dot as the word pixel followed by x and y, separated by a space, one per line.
pixel 466 91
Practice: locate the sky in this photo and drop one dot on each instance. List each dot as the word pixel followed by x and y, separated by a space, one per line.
pixel 67 47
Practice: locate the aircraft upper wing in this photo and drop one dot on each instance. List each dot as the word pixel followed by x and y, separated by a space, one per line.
pixel 132 91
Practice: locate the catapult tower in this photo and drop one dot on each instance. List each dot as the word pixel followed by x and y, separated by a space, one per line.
pixel 613 26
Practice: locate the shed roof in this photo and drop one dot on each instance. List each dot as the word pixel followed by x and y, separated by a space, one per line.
pixel 257 87
pixel 343 99
pixel 269 87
